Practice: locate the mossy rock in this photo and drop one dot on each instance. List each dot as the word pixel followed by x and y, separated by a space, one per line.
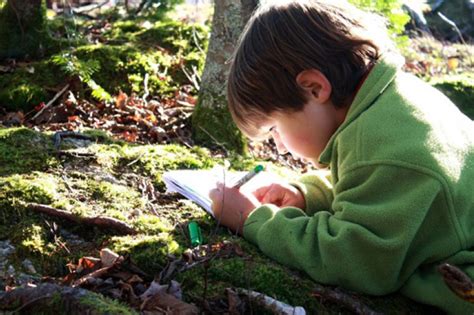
pixel 460 89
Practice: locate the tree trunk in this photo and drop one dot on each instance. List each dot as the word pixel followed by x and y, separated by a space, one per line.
pixel 212 122
pixel 22 29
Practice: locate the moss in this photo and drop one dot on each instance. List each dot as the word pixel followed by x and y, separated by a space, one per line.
pixel 460 89
pixel 19 189
pixel 16 145
pixel 22 90
pixel 152 160
pixel 214 127
pixel 176 36
pixel 149 252
pixel 123 63
pixel 105 305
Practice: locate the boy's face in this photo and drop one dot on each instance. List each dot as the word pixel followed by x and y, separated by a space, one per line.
pixel 306 133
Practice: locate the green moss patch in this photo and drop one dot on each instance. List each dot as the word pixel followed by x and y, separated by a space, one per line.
pixel 460 89
pixel 16 147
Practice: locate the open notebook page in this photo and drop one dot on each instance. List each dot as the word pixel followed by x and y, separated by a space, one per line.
pixel 196 184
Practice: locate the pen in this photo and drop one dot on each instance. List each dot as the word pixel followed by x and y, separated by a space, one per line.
pixel 248 176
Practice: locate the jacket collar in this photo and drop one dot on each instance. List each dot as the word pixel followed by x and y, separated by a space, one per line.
pixel 381 75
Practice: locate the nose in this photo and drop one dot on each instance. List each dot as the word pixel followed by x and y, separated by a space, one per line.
pixel 279 144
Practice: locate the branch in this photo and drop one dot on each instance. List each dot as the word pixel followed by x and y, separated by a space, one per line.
pixel 104 222
pixel 51 101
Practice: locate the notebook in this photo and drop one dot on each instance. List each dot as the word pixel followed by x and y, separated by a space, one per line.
pixel 196 184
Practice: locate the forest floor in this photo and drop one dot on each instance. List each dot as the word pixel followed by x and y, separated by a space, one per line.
pixel 86 220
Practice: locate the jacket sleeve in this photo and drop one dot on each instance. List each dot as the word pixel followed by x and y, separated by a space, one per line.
pixel 316 188
pixel 362 242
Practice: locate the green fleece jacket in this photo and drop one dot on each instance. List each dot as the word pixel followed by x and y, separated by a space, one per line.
pixel 399 200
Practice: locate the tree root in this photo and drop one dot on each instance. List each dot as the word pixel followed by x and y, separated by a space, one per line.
pixel 102 222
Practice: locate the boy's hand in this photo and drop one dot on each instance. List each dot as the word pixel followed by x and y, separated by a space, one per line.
pixel 280 194
pixel 231 206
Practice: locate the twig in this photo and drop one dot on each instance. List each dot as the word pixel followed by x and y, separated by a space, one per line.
pixel 345 299
pixel 275 306
pixel 106 222
pixel 444 18
pixel 51 101
pixel 145 86
pixel 221 144
pixel 191 79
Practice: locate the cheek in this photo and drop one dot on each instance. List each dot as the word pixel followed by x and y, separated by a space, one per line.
pixel 301 145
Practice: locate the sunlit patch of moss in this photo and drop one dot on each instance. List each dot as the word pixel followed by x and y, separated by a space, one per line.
pixel 460 89
pixel 149 252
pixel 124 65
pixel 264 277
pixel 16 145
pixel 17 190
pixel 152 224
pixel 34 241
pixel 176 36
pixel 152 160
pixel 105 305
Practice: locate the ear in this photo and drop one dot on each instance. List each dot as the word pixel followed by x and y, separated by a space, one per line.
pixel 315 83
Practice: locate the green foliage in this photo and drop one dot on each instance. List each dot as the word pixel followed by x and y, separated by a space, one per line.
pixel 460 89
pixel 84 69
pixel 392 10
pixel 158 8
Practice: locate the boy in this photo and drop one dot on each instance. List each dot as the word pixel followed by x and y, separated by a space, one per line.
pixel 399 198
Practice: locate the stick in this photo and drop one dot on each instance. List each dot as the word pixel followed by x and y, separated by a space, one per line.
pixel 51 101
pixel 117 225
pixel 344 299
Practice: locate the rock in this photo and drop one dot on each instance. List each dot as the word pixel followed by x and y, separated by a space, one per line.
pixel 6 249
pixel 28 265
pixel 107 257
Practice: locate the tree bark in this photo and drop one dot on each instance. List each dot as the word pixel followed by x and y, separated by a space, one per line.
pixel 212 122
pixel 22 29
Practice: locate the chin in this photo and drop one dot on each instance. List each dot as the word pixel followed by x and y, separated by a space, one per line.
pixel 318 165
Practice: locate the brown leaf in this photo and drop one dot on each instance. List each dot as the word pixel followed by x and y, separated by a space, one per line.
pixel 88 264
pixel 121 100
pixel 169 303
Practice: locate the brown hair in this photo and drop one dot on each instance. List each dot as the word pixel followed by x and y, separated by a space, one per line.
pixel 281 40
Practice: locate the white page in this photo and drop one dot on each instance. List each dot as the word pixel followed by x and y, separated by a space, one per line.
pixel 196 184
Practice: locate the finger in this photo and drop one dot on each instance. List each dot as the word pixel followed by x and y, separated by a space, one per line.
pixel 214 194
pixel 261 192
pixel 272 196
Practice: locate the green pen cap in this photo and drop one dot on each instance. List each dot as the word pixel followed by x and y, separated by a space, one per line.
pixel 258 168
pixel 194 233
